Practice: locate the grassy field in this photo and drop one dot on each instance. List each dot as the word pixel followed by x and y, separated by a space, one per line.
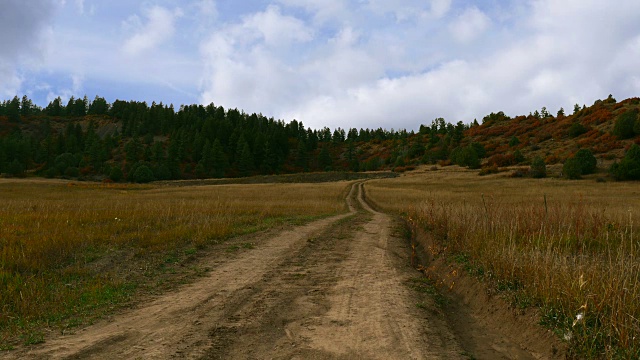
pixel 72 251
pixel 568 247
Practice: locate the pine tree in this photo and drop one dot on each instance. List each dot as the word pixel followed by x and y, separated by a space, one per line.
pixel 220 161
pixel 326 163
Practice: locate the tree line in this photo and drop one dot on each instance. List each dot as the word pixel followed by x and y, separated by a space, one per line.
pixel 134 141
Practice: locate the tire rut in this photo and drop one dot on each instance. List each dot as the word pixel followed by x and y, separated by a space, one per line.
pixel 343 296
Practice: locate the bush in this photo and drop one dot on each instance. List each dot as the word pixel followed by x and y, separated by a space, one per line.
pixel 501 160
pixel 514 141
pixel 586 160
pixel 576 130
pixel 538 168
pixel 625 123
pixel 465 156
pixel 64 161
pixel 518 157
pixel 571 169
pixel 479 149
pixel 629 167
pixel 143 174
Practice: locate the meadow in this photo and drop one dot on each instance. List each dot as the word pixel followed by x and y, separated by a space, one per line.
pixel 70 252
pixel 569 248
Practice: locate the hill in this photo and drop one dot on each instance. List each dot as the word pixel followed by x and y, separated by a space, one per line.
pixel 132 141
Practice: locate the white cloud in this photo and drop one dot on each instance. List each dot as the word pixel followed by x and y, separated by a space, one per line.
pixel 469 25
pixel 207 8
pixel 247 66
pixel 405 10
pixel 277 29
pixel 80 6
pixel 541 65
pixel 323 10
pixel 23 26
pixel 159 29
pixel 66 93
pixel 440 8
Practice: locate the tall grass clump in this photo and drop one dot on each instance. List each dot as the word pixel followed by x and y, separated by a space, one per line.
pixel 573 252
pixel 68 250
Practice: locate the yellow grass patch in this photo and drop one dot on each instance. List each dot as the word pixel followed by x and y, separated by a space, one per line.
pixel 54 235
pixel 575 254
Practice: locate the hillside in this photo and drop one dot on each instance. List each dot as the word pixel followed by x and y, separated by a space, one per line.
pixel 131 141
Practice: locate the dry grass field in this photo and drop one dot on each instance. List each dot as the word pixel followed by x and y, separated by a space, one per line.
pixel 568 247
pixel 69 250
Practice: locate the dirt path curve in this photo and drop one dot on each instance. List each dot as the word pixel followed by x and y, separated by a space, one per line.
pixel 335 288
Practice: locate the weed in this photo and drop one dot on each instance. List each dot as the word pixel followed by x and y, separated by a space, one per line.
pixel 67 253
pixel 570 247
pixel 32 338
pixel 427 286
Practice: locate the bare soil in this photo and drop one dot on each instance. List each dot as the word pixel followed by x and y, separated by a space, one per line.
pixel 337 288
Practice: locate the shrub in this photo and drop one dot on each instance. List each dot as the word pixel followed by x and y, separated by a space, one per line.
pixel 143 174
pixel 518 157
pixel 576 130
pixel 479 149
pixel 466 156
pixel 571 169
pixel 624 127
pixel 514 141
pixel 586 160
pixel 629 166
pixel 538 168
pixel 500 160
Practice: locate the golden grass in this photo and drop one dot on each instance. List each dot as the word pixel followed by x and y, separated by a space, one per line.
pixel 576 255
pixel 57 238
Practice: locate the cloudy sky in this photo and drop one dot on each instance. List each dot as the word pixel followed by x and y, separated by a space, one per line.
pixel 348 63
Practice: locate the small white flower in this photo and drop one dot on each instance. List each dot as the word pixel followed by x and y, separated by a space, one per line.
pixel 578 319
pixel 568 336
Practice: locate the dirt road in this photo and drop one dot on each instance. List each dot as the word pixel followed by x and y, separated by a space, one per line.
pixel 336 288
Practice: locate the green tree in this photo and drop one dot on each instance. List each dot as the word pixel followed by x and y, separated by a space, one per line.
pixel 220 161
pixel 629 167
pixel 576 129
pixel 624 126
pixel 244 159
pixel 586 160
pixel 479 149
pixel 302 156
pixel 143 174
pixel 324 159
pixel 99 106
pixel 13 110
pixel 55 107
pixel 514 141
pixel 576 109
pixel 571 169
pixel 538 168
pixel 465 156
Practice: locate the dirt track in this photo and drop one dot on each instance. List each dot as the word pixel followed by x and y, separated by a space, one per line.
pixel 335 288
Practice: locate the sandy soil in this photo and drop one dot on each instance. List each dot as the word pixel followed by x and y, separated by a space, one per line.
pixel 336 288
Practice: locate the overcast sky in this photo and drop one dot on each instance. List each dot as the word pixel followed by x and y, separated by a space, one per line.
pixel 348 63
